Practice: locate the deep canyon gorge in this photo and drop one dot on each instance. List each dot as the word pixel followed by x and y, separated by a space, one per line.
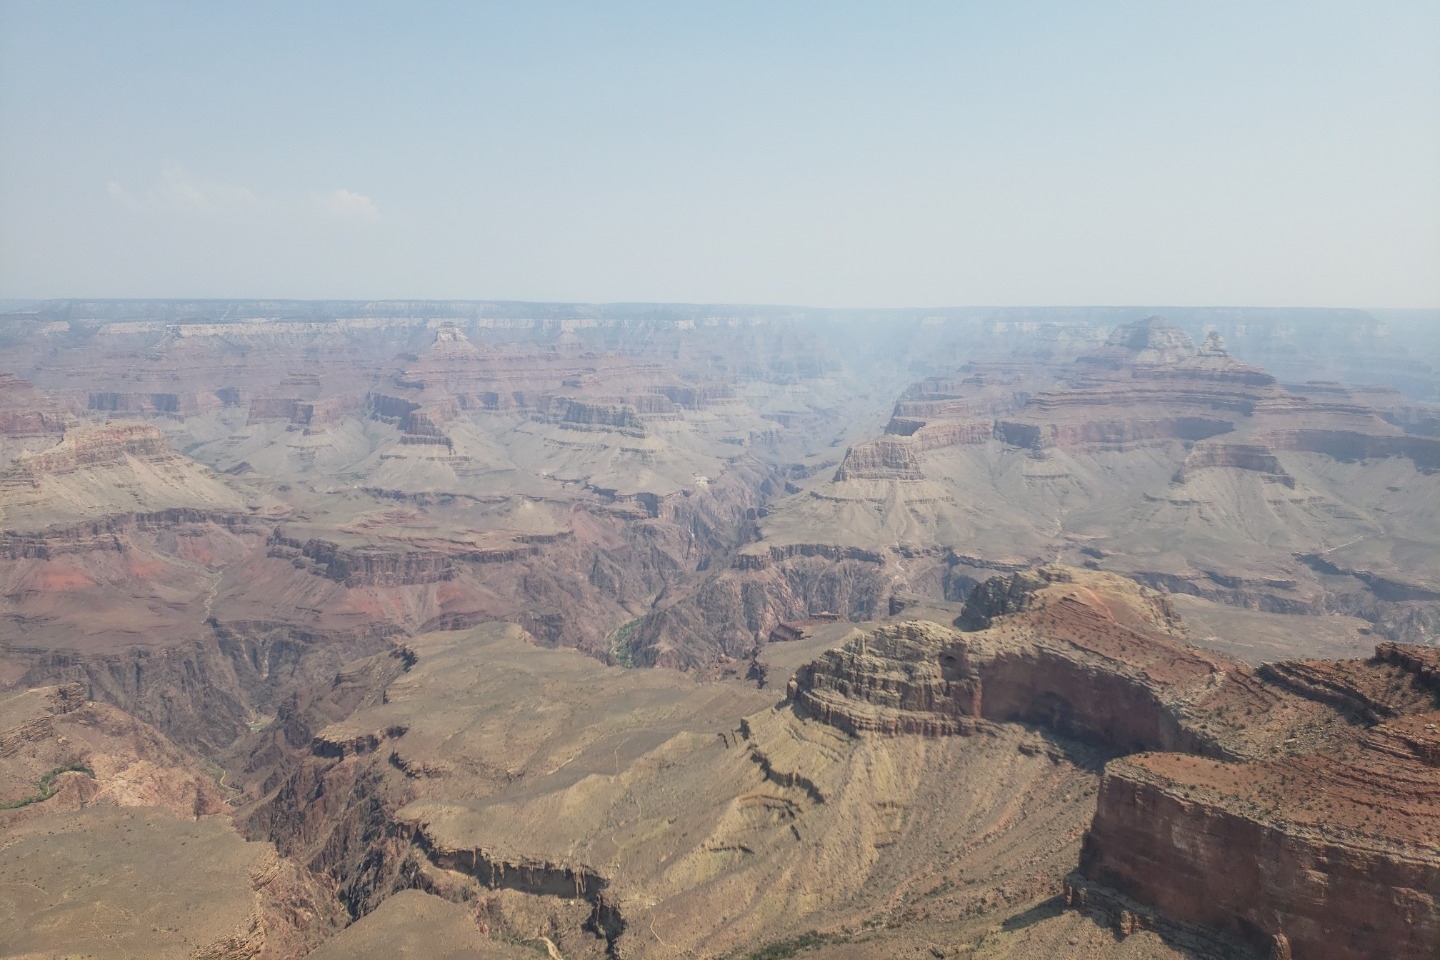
pixel 659 631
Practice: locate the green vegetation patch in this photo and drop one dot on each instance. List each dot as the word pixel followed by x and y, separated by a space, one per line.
pixel 46 788
pixel 784 949
pixel 619 642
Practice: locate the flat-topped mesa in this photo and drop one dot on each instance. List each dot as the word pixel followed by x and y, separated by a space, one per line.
pixel 696 396
pixel 96 446
pixel 391 564
pixel 950 411
pixel 1089 656
pixel 890 458
pixel 388 409
pixel 594 417
pixel 1238 456
pixel 1149 383
pixel 418 422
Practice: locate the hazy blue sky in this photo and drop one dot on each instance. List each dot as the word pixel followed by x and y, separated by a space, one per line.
pixel 825 153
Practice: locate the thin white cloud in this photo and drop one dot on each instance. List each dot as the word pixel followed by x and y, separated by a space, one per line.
pixel 350 205
pixel 122 196
pixel 179 190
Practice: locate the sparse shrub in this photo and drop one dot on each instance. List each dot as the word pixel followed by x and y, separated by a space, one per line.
pixel 784 949
pixel 46 788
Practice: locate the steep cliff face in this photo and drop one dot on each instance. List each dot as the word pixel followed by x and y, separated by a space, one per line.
pixel 1291 809
pixel 202 693
pixel 1069 665
pixel 885 459
pixel 1331 857
pixel 696 396
pixel 103 446
pixel 580 415
pixel 152 404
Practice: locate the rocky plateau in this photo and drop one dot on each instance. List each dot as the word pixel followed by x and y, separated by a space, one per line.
pixel 491 629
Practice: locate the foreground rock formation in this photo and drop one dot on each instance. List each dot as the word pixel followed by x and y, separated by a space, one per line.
pixel 1294 809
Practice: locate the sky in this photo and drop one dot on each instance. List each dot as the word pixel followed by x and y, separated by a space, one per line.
pixel 831 153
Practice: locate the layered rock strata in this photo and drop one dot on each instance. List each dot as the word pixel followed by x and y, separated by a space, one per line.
pixel 1291 809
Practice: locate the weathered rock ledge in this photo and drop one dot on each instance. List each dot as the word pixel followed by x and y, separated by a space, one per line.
pixel 1293 810
pixel 1069 665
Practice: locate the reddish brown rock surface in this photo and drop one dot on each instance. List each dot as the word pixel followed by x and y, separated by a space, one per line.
pixel 236 576
pixel 1296 807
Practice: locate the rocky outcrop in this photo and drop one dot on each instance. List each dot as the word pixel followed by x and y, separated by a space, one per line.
pixel 1289 809
pixel 1352 445
pixel 1152 340
pixel 533 876
pixel 1328 857
pixel 998 597
pixel 1237 456
pixel 302 413
pixel 112 533
pixel 24 412
pixel 92 753
pixel 885 459
pixel 96 446
pixel 604 417
pixel 905 678
pixel 696 396
pixel 1069 665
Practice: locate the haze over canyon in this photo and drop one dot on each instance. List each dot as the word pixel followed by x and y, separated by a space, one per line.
pixel 496 629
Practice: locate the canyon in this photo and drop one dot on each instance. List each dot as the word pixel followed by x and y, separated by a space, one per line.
pixel 655 630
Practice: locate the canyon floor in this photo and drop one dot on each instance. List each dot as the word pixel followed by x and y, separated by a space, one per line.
pixel 458 629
